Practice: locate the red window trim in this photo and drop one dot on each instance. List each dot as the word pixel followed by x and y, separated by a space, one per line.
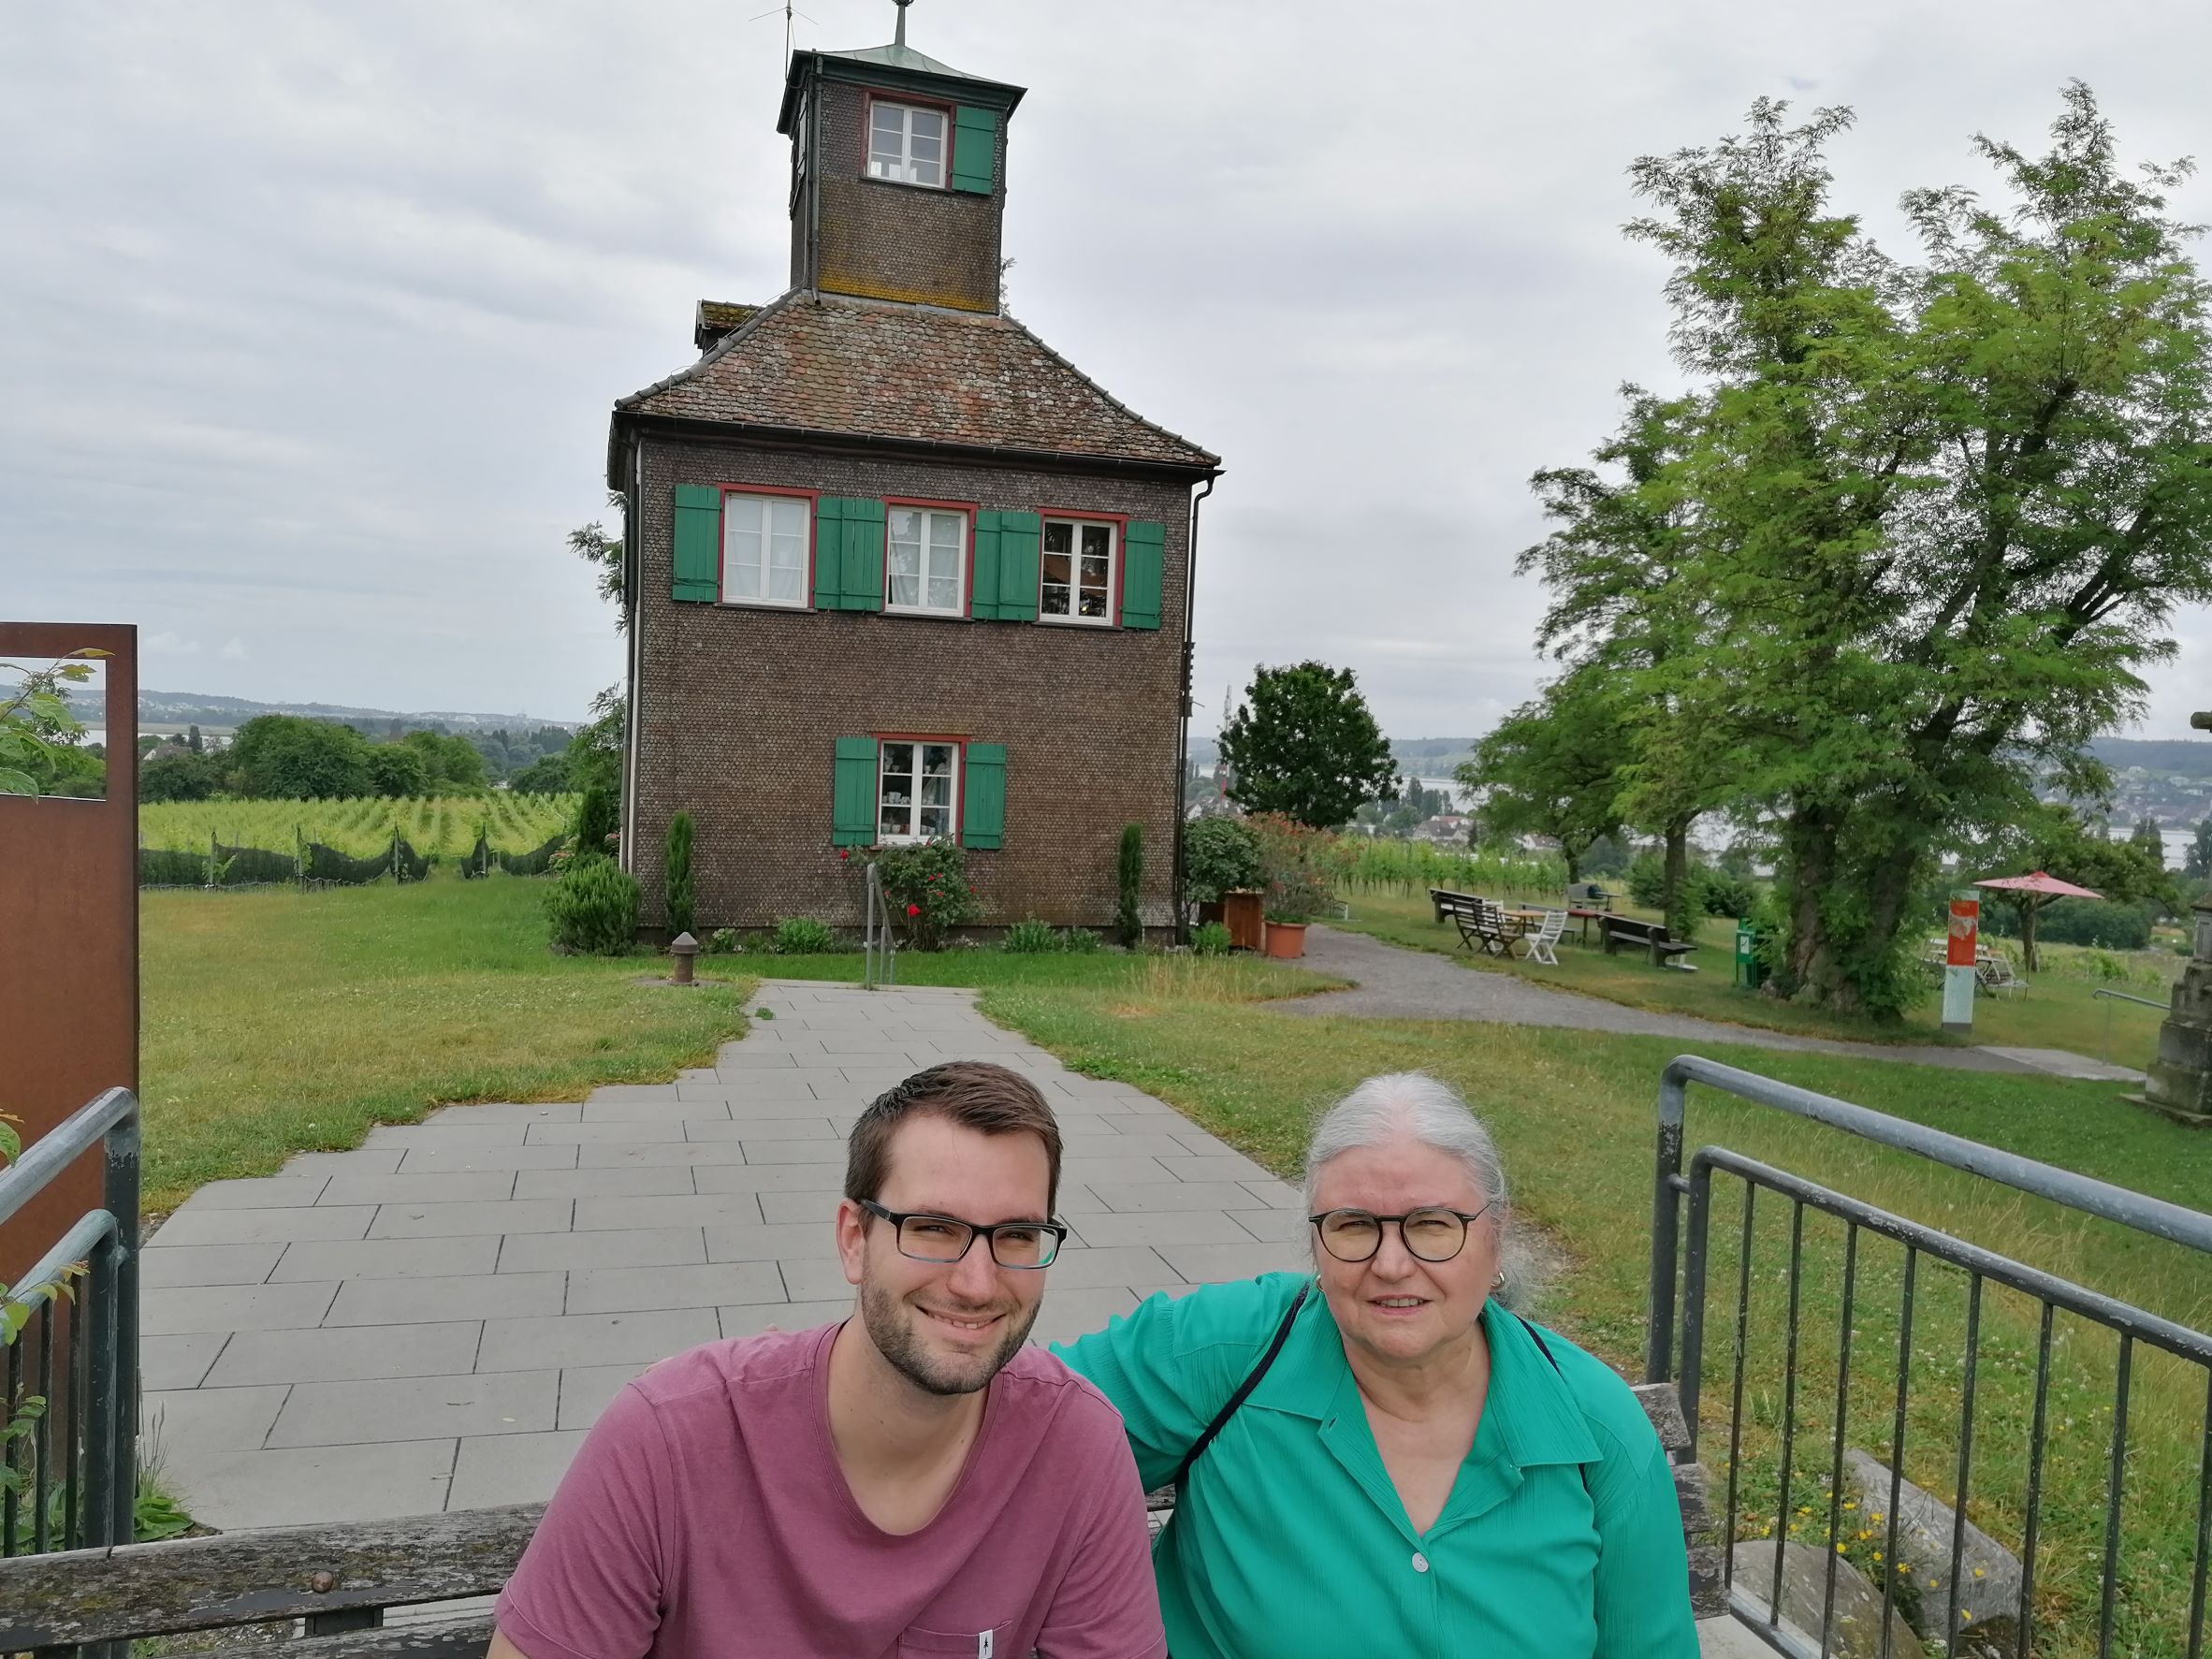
pixel 966 610
pixel 960 788
pixel 868 135
pixel 1121 536
pixel 722 543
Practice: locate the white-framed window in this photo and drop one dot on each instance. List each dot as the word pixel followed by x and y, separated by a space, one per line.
pixel 917 790
pixel 764 549
pixel 906 144
pixel 925 567
pixel 1078 572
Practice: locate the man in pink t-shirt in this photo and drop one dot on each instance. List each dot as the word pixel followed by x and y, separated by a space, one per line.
pixel 910 1482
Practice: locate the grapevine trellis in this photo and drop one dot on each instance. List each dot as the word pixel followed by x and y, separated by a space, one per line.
pixel 346 842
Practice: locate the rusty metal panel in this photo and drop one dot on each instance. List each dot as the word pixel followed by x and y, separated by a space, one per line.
pixel 69 939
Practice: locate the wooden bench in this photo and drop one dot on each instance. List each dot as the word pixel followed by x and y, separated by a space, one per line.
pixel 342 1579
pixel 1443 900
pixel 1483 924
pixel 1644 936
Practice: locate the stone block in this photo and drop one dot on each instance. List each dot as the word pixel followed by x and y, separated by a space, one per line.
pixel 419 1189
pixel 431 1221
pixel 329 1484
pixel 648 1182
pixel 1170 1194
pixel 462 1160
pixel 346 1354
pixel 1214 1263
pixel 561 1252
pixel 180 1311
pixel 617 1289
pixel 416 1408
pixel 206 1264
pixel 594 1339
pixel 218 1420
pixel 599 1215
pixel 266 1227
pixel 511 1468
pixel 274 1192
pixel 1079 1269
pixel 755 1318
pixel 389 1259
pixel 458 1296
pixel 178 1361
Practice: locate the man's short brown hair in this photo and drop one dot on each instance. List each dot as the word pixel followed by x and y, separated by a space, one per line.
pixel 974 1094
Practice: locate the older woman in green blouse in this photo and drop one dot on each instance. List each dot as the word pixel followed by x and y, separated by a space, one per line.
pixel 1418 1472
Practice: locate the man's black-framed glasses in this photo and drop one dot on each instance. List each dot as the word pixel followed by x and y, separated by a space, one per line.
pixel 1432 1233
pixel 943 1240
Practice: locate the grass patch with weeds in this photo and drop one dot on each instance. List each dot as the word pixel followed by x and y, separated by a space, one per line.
pixel 276 1021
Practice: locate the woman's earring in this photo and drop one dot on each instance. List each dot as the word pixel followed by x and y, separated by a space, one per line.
pixel 1495 1283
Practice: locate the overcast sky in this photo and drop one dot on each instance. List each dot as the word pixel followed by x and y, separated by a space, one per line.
pixel 313 312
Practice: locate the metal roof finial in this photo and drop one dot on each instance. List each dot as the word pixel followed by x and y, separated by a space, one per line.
pixel 900 39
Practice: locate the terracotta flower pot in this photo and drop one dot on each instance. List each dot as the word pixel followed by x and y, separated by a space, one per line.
pixel 1286 939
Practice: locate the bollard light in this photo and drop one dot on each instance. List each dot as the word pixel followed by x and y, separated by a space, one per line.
pixel 681 952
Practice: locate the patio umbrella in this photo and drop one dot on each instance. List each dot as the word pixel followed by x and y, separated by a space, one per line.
pixel 2032 892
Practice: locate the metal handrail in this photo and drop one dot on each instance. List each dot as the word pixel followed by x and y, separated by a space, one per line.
pixel 2104 1036
pixel 102 1328
pixel 879 949
pixel 2156 1217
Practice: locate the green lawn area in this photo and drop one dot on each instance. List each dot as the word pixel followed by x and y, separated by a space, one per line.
pixel 277 1022
pixel 1574 1115
pixel 2058 1012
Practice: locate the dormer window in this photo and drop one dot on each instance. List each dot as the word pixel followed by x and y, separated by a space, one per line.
pixel 906 144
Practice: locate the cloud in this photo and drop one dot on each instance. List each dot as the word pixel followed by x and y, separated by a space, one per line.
pixel 326 305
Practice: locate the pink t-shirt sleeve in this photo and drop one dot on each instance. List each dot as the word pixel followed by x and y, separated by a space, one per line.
pixel 1107 1607
pixel 588 1586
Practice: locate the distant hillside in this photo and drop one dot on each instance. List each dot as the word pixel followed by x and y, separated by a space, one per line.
pixel 158 710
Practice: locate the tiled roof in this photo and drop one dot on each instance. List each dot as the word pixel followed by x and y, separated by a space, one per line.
pixel 718 317
pixel 867 369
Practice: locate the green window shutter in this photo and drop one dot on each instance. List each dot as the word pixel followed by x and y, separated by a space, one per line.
pixel 1144 556
pixel 862 555
pixel 852 812
pixel 975 149
pixel 982 808
pixel 698 544
pixel 829 552
pixel 982 590
pixel 1019 537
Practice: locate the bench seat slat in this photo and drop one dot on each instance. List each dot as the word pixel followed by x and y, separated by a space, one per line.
pixel 459 1638
pixel 77 1596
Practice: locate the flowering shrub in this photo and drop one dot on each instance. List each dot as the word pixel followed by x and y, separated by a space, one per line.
pixel 928 886
pixel 1303 867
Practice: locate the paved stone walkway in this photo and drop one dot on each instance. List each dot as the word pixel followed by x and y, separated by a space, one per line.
pixel 1394 982
pixel 434 1320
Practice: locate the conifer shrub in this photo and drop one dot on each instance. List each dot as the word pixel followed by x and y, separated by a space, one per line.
pixel 593 908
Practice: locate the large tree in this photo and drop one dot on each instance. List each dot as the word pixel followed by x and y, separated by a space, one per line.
pixel 1613 564
pixel 1943 511
pixel 284 757
pixel 1305 744
pixel 1552 767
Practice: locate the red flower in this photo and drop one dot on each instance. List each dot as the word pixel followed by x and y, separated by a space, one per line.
pixel 913 910
pixel 845 855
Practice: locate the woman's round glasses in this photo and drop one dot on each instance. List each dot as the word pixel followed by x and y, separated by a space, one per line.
pixel 1432 1233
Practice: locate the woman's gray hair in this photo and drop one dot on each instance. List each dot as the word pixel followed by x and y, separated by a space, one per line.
pixel 1432 1113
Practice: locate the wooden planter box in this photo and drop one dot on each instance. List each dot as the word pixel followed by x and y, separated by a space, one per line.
pixel 1245 918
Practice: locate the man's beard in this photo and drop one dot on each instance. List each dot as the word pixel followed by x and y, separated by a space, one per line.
pixel 887 1318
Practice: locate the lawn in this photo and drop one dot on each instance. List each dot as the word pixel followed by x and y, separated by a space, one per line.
pixel 1574 1115
pixel 2059 1011
pixel 276 1021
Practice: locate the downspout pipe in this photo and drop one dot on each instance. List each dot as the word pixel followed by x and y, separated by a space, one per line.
pixel 1182 729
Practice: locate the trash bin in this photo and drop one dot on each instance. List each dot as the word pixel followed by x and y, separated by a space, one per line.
pixel 1751 973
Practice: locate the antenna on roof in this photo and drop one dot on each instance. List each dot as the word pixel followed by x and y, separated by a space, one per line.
pixel 789 11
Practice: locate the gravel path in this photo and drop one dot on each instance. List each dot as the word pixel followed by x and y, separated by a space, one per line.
pixel 1395 983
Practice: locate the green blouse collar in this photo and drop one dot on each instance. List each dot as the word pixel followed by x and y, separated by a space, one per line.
pixel 1532 1415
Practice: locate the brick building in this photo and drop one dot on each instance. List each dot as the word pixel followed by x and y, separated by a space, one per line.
pixel 899 571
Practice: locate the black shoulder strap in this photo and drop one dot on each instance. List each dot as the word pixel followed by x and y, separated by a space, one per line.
pixel 1244 1388
pixel 1544 1348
